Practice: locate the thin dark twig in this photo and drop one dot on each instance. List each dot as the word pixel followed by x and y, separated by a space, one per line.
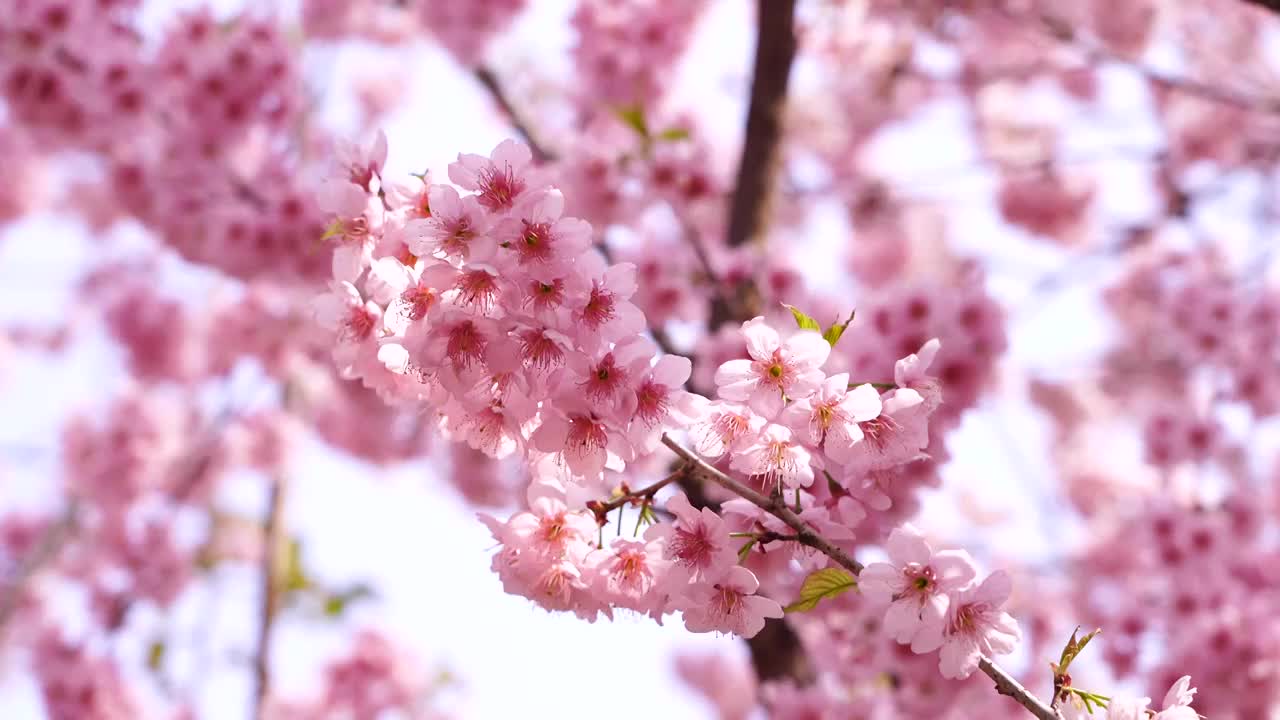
pixel 273 534
pixel 490 82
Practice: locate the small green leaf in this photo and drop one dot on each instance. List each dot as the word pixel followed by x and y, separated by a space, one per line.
pixel 337 603
pixel 633 117
pixel 745 550
pixel 294 576
pixel 675 133
pixel 833 333
pixel 1072 649
pixel 155 654
pixel 803 321
pixel 826 583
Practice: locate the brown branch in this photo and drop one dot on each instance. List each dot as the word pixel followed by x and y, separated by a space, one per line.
pixel 629 496
pixel 490 82
pixel 805 534
pixel 272 553
pixel 1005 683
pixel 1271 5
pixel 1062 31
pixel 1008 686
pixel 761 148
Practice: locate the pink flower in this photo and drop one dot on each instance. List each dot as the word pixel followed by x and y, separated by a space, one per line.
pixel 909 372
pixel 830 417
pixel 729 605
pixel 542 242
pixel 584 441
pixel 974 626
pixel 457 228
pixel 501 180
pixel 777 370
pixel 777 458
pixel 1127 708
pixel 896 436
pixel 608 381
pixel 661 403
pixel 603 312
pixel 915 582
pixel 628 573
pixel 698 543
pixel 1177 702
pixel 354 320
pixel 360 165
pixel 723 427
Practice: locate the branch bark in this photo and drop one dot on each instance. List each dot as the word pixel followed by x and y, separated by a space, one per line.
pixel 1005 683
pixel 272 552
pixel 775 51
pixel 1272 5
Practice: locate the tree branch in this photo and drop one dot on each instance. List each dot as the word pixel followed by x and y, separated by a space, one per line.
pixel 1008 686
pixel 272 552
pixel 1271 5
pixel 775 50
pixel 490 82
pixel 1005 683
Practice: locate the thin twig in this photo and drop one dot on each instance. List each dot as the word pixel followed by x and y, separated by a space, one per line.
pixel 44 552
pixel 644 493
pixel 1065 33
pixel 1272 5
pixel 273 533
pixel 1010 687
pixel 490 82
pixel 805 535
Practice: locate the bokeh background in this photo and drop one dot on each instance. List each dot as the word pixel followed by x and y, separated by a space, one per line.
pixel 928 149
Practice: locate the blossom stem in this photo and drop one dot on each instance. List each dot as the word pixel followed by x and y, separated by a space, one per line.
pixel 1005 683
pixel 645 493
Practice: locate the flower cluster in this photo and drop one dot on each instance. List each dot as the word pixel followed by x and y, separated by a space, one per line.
pixel 494 309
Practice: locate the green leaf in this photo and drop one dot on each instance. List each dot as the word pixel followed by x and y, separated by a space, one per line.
pixel 293 575
pixel 1072 649
pixel 337 603
pixel 803 321
pixel 633 117
pixel 826 583
pixel 745 550
pixel 675 133
pixel 155 654
pixel 833 333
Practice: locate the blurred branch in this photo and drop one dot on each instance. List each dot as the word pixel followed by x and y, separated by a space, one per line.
pixel 44 552
pixel 490 82
pixel 271 593
pixel 1062 31
pixel 1271 5
pixel 761 148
